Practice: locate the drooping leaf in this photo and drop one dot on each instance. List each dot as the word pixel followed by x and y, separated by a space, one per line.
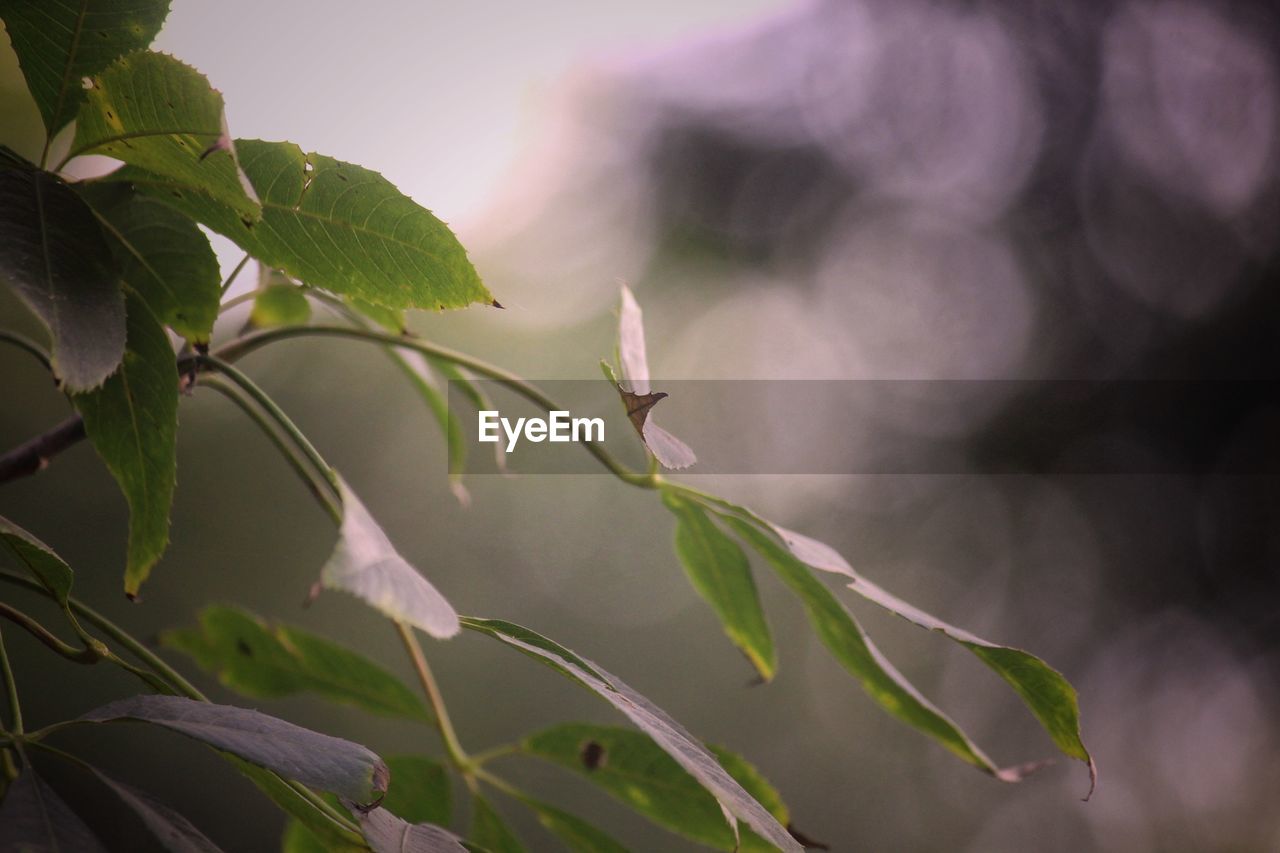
pixel 317 760
pixel 419 790
pixel 721 574
pixel 334 226
pixel 174 832
pixel 387 833
pixel 366 564
pixel 325 830
pixel 132 421
pixel 33 817
pixel 278 301
pixel 157 113
pixel 39 558
pixel 666 732
pixel 632 768
pixel 264 661
pixel 163 257
pixel 849 644
pixel 54 256
pixel 1049 696
pixel 60 42
pixel 489 830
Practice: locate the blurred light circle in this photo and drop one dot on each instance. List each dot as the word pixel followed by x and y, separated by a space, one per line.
pixel 1192 100
pixel 927 104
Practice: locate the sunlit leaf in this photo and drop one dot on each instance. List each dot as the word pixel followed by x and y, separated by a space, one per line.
pixel 1049 695
pixel 637 397
pixel 318 760
pixel 489 830
pixel 419 790
pixel 55 257
pixel 60 42
pixel 163 257
pixel 721 574
pixel 332 225
pixel 34 818
pixel 366 564
pixel 850 645
pixel 265 661
pixel 666 732
pixel 632 768
pixel 39 558
pixel 132 421
pixel 174 832
pixel 159 114
pixel 387 833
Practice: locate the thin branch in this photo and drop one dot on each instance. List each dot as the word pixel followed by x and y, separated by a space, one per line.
pixel 29 346
pixel 457 754
pixel 34 455
pixel 11 690
pixel 226 285
pixel 86 655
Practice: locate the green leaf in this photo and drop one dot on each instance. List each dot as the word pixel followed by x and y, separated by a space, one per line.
pixel 34 818
pixel 576 833
pixel 366 564
pixel 632 768
pixel 325 830
pixel 60 42
pixel 419 790
pixel 387 833
pixel 174 832
pixel 278 301
pixel 1045 691
pixel 132 421
pixel 334 226
pixel 39 558
pixel 264 661
pixel 159 114
pixel 390 319
pixel 721 574
pixel 54 256
pixel 163 256
pixel 489 830
pixel 666 732
pixel 317 760
pixel 298 839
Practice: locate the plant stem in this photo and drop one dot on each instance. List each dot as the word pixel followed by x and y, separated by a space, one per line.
pixel 226 285
pixel 34 455
pixel 276 413
pixel 86 655
pixel 29 346
pixel 494 753
pixel 246 344
pixel 318 487
pixel 11 691
pixel 444 725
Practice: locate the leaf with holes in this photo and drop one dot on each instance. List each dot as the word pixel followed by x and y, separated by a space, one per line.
pixel 264 661
pixel 159 114
pixel 332 225
pixel 721 574
pixel 666 732
pixel 317 760
pixel 632 768
pixel 366 564
pixel 55 257
pixel 163 257
pixel 60 42
pixel 33 817
pixel 132 421
pixel 46 566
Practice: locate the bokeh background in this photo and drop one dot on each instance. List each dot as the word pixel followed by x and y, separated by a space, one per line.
pixel 864 189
